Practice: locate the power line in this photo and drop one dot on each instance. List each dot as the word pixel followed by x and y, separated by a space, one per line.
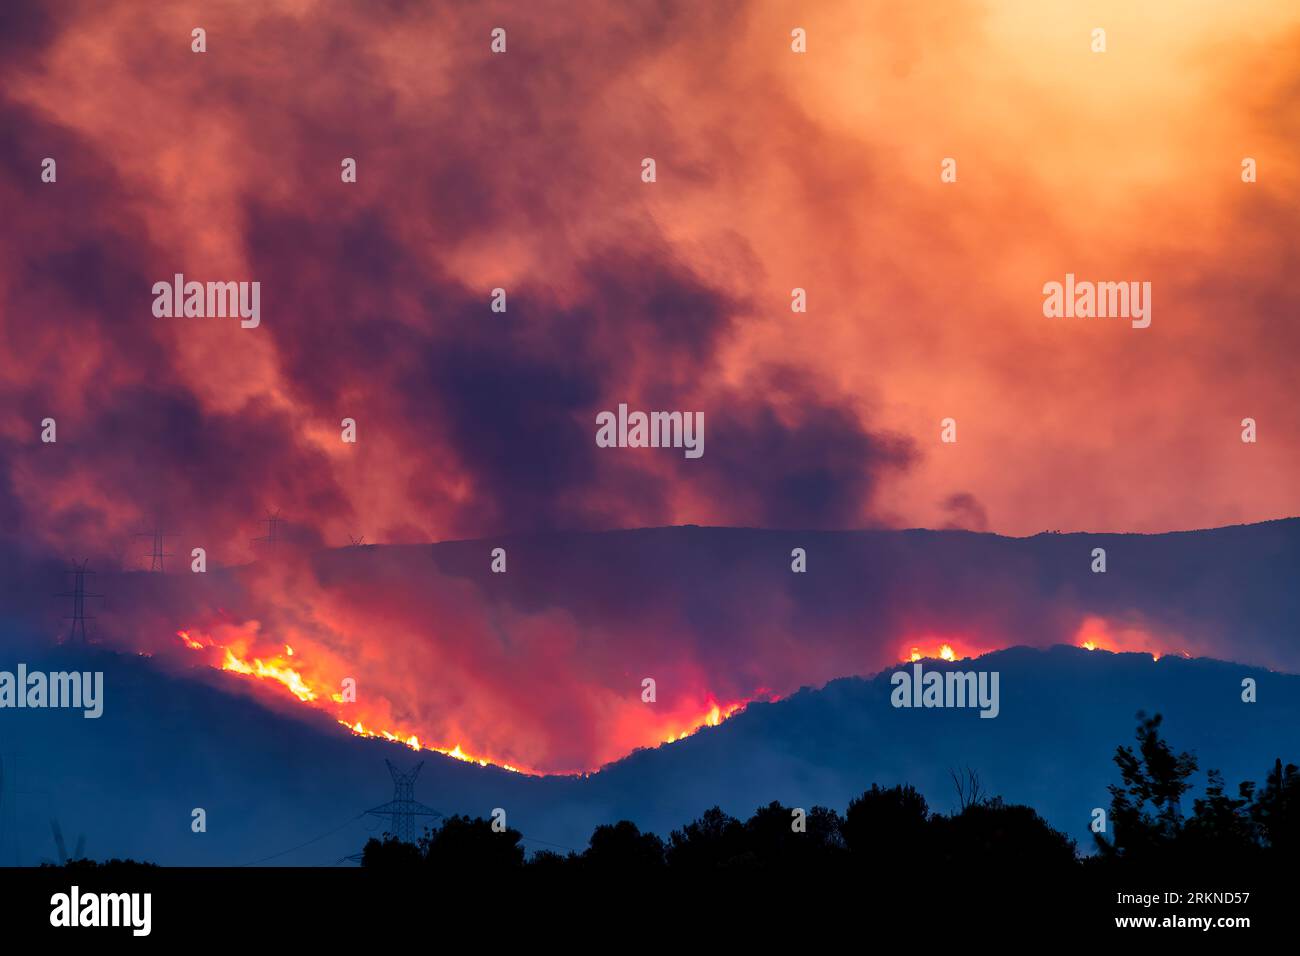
pixel 79 595
pixel 558 846
pixel 401 812
pixel 403 808
pixel 156 553
pixel 308 843
pixel 272 536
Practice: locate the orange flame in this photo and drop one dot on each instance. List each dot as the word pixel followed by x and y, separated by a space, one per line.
pixel 715 715
pixel 945 651
pixel 235 659
pixel 1097 633
pixel 189 641
pixel 273 669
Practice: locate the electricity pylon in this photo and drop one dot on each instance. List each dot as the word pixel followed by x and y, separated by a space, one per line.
pixel 403 808
pixel 79 595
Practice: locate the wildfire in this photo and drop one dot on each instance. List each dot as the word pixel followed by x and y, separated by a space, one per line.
pixel 944 652
pixel 236 659
pixel 287 676
pixel 1096 633
pixel 715 715
pixel 189 641
pixel 413 742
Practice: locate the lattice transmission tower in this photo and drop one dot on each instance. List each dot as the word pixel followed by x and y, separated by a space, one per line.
pixel 79 595
pixel 403 808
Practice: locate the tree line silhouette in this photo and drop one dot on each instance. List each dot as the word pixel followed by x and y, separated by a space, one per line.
pixel 1145 827
pixel 1255 829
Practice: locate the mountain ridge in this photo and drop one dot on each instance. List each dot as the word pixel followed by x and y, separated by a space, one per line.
pixel 269 780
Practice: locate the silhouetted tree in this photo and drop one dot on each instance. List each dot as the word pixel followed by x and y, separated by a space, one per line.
pixel 969 789
pixel 712 841
pixel 390 853
pixel 1146 811
pixel 993 835
pixel 890 831
pixel 1221 826
pixel 826 827
pixel 622 847
pixel 466 845
pixel 772 841
pixel 1276 813
pixel 109 867
pixel 888 823
pixel 548 861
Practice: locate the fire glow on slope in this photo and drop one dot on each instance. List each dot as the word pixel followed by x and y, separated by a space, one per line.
pixel 1094 633
pixel 230 650
pixel 522 740
pixel 942 649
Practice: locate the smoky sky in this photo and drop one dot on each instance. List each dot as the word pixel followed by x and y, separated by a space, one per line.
pixel 375 295
pixel 775 171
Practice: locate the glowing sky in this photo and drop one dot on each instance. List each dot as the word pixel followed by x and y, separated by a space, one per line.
pixel 775 170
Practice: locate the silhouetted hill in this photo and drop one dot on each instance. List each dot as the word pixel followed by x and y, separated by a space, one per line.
pixel 270 782
pixel 1226 592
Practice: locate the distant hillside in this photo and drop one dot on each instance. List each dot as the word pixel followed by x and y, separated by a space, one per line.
pixel 729 593
pixel 269 782
pixel 1226 592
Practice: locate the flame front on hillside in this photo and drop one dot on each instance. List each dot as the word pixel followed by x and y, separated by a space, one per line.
pixel 230 651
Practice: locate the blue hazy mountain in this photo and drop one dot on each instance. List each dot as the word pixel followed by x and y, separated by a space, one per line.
pixel 269 781
pixel 274 777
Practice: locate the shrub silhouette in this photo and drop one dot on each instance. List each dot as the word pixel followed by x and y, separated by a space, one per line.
pixel 997 836
pixel 468 845
pixel 390 853
pixel 460 844
pixel 889 823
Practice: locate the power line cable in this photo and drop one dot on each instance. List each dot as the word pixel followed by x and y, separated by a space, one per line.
pixel 308 843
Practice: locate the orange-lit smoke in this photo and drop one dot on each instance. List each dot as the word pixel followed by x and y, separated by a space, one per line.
pixel 1097 633
pixel 235 649
pixel 480 715
pixel 947 648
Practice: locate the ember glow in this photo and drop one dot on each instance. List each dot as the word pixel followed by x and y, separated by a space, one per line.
pixel 412 741
pixel 233 657
pixel 1097 633
pixel 275 670
pixel 495 685
pixel 943 650
pixel 542 668
pixel 715 715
